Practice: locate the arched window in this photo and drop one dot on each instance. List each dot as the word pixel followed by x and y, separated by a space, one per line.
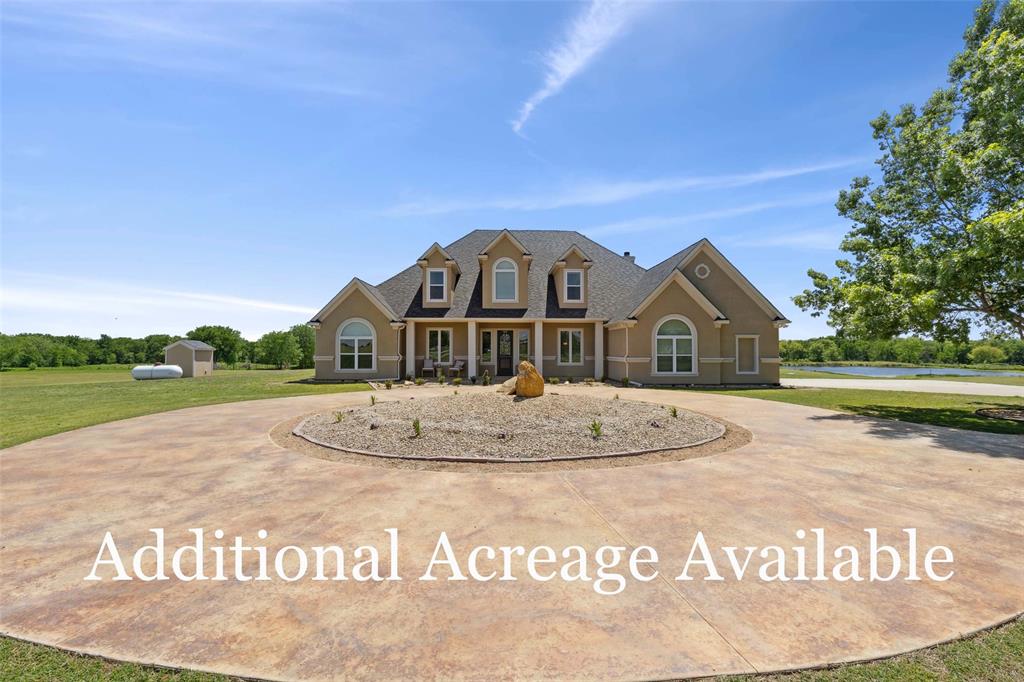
pixel 675 346
pixel 357 346
pixel 506 281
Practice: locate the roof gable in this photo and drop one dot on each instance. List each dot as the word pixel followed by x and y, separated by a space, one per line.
pixel 679 278
pixel 706 247
pixel 505 234
pixel 371 292
pixel 190 343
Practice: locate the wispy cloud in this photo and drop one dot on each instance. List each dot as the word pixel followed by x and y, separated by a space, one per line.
pixel 272 45
pixel 822 238
pixel 652 223
pixel 589 33
pixel 56 293
pixel 603 193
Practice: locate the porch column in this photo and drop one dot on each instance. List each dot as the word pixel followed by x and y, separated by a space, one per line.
pixel 410 348
pixel 471 366
pixel 538 345
pixel 598 350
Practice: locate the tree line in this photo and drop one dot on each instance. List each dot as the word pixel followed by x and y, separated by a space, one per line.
pixel 909 350
pixel 289 348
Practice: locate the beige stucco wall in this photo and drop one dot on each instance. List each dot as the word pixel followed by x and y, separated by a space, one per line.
pixel 745 317
pixel 713 343
pixel 572 262
pixel 551 350
pixel 504 249
pixel 356 305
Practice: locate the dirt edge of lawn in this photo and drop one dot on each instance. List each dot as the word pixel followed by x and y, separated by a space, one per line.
pixel 823 673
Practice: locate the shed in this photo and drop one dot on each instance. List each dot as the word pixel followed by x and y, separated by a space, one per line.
pixel 194 357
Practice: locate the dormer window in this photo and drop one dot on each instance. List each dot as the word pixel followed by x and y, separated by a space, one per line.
pixel 506 281
pixel 574 285
pixel 437 285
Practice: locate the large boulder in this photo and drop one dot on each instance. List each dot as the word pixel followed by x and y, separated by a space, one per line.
pixel 529 383
pixel 508 386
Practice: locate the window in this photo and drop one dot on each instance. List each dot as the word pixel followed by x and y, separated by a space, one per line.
pixel 524 344
pixel 439 345
pixel 437 280
pixel 574 285
pixel 570 346
pixel 674 344
pixel 506 281
pixel 486 347
pixel 356 340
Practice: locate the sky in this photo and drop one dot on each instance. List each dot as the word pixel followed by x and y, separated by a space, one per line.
pixel 166 165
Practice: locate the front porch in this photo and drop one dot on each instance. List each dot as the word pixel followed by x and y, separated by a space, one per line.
pixel 567 348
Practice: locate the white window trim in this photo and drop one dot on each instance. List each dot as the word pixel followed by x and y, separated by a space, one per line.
pixel 451 344
pixel 757 352
pixel 515 280
pixel 565 286
pixel 337 347
pixel 654 347
pixel 558 355
pixel 493 359
pixel 444 285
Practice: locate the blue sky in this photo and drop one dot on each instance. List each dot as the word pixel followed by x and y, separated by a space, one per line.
pixel 176 164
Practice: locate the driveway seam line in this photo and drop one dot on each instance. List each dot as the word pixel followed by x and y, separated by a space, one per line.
pixel 661 576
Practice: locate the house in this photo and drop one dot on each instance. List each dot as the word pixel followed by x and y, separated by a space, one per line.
pixel 194 357
pixel 560 300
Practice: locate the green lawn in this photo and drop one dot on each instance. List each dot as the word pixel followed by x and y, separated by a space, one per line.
pixel 46 401
pixel 792 373
pixel 939 409
pixel 994 655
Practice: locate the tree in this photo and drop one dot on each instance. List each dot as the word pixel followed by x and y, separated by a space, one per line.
pixel 984 355
pixel 278 348
pixel 306 338
pixel 939 242
pixel 228 342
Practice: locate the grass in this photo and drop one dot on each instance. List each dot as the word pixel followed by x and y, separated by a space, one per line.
pixel 996 655
pixel 792 373
pixel 938 409
pixel 46 401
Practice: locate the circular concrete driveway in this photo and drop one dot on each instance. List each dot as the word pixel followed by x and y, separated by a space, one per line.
pixel 216 467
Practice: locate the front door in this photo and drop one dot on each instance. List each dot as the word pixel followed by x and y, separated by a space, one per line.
pixel 504 352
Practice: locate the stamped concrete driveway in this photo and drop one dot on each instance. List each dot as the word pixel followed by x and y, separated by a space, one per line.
pixel 215 467
pixel 912 386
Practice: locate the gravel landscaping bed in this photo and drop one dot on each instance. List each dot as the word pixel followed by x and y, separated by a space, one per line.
pixel 489 426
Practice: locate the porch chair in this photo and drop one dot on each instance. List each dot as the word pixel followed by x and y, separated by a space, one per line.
pixel 428 366
pixel 457 368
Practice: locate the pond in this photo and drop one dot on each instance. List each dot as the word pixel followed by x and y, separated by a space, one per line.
pixel 865 371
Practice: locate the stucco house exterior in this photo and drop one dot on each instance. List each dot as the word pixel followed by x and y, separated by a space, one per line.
pixel 562 301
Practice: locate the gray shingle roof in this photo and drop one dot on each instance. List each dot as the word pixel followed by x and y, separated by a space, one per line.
pixel 193 344
pixel 648 283
pixel 613 279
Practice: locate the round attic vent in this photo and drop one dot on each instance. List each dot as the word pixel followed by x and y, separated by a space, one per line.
pixel 702 270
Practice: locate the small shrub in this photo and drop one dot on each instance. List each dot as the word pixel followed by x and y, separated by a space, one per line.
pixel 457 381
pixel 440 377
pixel 625 382
pixel 420 381
pixel 456 391
pixel 486 380
pixel 373 400
pixel 338 416
pixel 595 429
pixel 674 412
pixel 417 429
pixel 616 396
pixel 388 384
pixel 553 380
pixel 32 366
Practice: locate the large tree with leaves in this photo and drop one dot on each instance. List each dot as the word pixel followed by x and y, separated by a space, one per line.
pixel 938 242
